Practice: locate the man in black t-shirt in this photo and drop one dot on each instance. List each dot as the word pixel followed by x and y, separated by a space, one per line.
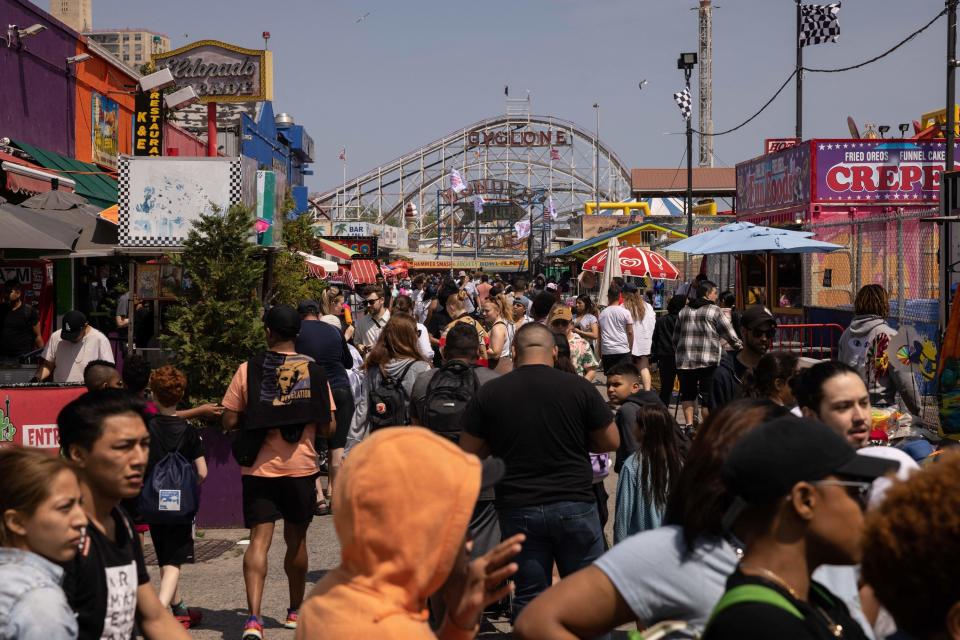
pixel 19 324
pixel 107 585
pixel 546 492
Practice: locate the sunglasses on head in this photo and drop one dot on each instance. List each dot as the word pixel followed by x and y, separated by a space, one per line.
pixel 759 333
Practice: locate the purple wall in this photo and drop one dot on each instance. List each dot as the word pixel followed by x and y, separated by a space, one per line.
pixel 220 495
pixel 38 97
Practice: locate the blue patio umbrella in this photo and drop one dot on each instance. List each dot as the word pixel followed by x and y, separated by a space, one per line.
pixel 746 237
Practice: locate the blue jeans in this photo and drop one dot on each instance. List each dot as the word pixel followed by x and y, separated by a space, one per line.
pixel 567 533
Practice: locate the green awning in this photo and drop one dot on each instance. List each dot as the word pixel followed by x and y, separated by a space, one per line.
pixel 99 188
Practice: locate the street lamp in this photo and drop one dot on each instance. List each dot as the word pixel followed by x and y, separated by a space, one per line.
pixel 884 128
pixel 596 167
pixel 686 62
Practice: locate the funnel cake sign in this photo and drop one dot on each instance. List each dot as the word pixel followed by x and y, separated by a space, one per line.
pixel 221 72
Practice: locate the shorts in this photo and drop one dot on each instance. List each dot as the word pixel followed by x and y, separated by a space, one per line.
pixel 173 543
pixel 694 382
pixel 343 398
pixel 608 361
pixel 271 499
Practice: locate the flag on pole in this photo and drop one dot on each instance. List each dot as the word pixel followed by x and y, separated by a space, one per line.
pixel 456 182
pixel 551 209
pixel 478 205
pixel 554 154
pixel 819 23
pixel 683 101
pixel 522 228
pixel 343 154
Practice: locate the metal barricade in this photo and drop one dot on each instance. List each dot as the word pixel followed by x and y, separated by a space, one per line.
pixel 817 341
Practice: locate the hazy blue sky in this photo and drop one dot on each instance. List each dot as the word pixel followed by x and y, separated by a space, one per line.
pixel 414 71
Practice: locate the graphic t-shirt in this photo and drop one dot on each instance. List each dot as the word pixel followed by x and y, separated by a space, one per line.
pixel 16 329
pixel 101 581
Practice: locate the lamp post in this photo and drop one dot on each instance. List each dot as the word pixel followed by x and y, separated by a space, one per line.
pixel 596 167
pixel 686 62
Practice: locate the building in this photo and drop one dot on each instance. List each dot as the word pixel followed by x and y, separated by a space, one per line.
pixel 76 14
pixel 134 47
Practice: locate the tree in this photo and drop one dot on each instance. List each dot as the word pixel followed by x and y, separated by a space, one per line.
pixel 292 281
pixel 218 321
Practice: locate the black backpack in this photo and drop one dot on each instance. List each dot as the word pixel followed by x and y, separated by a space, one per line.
pixel 448 392
pixel 389 403
pixel 171 490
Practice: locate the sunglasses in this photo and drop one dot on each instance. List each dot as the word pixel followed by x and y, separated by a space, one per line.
pixel 370 301
pixel 859 491
pixel 759 333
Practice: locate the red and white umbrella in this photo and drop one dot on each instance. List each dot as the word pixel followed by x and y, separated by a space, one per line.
pixel 636 262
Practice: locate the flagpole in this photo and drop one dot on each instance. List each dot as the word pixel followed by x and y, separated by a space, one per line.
pixel 799 125
pixel 343 200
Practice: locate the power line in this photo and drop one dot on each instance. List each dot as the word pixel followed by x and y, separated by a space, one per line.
pixel 885 53
pixel 759 111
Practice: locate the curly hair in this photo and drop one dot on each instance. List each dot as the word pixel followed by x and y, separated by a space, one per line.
pixel 168 385
pixel 871 300
pixel 910 548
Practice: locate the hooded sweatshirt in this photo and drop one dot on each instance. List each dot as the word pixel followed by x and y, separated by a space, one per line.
pixel 863 346
pixel 404 498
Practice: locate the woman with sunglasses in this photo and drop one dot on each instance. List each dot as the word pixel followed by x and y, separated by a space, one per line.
pixel 41 527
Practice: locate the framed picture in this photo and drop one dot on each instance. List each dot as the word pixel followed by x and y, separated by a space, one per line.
pixel 170 280
pixel 147 281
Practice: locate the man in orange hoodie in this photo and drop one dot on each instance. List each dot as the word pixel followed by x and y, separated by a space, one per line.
pixel 404 499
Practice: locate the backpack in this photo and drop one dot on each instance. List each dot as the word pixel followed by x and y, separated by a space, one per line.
pixel 389 404
pixel 448 392
pixel 171 490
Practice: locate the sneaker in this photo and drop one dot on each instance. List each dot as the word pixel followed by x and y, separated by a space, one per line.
pixel 185 615
pixel 291 621
pixel 253 629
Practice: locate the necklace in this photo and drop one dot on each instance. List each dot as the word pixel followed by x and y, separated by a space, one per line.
pixel 836 630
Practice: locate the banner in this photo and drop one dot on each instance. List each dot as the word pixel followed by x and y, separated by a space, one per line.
pixel 775 181
pixel 878 171
pixel 487 264
pixel 106 130
pixel 148 121
pixel 28 415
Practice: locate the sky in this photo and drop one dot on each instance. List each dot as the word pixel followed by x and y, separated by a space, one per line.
pixel 412 72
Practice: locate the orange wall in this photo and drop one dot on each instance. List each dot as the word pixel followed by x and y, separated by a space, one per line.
pixel 97 75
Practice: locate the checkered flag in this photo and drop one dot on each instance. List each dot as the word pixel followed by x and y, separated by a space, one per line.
pixel 683 101
pixel 819 23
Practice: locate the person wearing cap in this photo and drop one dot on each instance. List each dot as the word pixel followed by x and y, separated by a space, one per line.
pixel 800 490
pixel 19 324
pixel 697 341
pixel 758 328
pixel 286 403
pixel 402 542
pixel 70 349
pixel 547 492
pixel 328 348
pixel 584 361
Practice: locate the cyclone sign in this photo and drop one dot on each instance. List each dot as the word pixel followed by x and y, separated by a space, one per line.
pixel 878 171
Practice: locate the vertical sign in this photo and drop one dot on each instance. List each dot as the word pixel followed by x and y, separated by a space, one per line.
pixel 148 121
pixel 266 204
pixel 106 130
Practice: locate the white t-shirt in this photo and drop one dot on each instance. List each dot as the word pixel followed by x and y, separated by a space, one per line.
pixel 643 331
pixel 614 321
pixel 70 359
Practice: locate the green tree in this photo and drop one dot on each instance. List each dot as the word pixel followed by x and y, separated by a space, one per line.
pixel 292 281
pixel 218 321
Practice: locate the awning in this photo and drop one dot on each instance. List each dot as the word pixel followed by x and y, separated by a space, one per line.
pixel 93 183
pixel 25 177
pixel 601 240
pixel 335 249
pixel 319 267
pixel 29 229
pixel 364 271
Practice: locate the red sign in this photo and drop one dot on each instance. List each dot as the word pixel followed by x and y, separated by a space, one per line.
pixel 28 415
pixel 779 144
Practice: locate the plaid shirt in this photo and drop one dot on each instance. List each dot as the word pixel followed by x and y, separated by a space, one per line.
pixel 698 334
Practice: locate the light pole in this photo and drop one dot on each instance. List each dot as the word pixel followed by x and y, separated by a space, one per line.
pixel 686 62
pixel 596 166
pixel 946 232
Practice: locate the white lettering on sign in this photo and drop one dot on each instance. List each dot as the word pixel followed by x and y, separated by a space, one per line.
pixel 41 436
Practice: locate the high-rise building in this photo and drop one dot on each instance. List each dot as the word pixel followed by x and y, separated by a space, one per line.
pixel 76 14
pixel 133 46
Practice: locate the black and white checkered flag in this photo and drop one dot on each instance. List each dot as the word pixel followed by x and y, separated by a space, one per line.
pixel 683 101
pixel 819 23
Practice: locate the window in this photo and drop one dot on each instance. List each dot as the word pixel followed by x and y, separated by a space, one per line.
pixel 138 36
pixel 789 281
pixel 126 58
pixel 754 280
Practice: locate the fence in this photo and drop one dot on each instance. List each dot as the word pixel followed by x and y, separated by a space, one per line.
pixel 898 251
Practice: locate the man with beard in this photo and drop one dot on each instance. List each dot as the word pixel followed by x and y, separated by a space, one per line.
pixel 758 327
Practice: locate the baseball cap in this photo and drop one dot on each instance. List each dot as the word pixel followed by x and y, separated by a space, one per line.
pixel 629 287
pixel 757 315
pixel 73 323
pixel 308 306
pixel 283 319
pixel 768 461
pixel 560 313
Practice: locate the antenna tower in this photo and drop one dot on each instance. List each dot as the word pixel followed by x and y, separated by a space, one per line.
pixel 706 83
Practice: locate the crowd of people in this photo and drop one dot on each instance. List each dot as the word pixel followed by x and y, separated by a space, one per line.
pixel 460 432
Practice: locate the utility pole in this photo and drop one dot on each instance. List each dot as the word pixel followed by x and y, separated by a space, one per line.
pixel 799 128
pixel 947 254
pixel 596 165
pixel 706 83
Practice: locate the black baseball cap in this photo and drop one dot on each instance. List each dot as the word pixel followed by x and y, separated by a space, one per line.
pixel 73 324
pixel 756 316
pixel 283 319
pixel 308 306
pixel 766 463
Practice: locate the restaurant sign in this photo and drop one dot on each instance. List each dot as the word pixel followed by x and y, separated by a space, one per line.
pixel 221 72
pixel 878 171
pixel 148 117
pixel 774 181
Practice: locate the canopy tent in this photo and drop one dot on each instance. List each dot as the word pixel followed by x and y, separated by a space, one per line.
pixel 364 271
pixel 746 237
pixel 317 266
pixel 92 182
pixel 97 236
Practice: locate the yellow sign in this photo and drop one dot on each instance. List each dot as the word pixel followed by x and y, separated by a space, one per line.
pixel 627 207
pixel 490 264
pixel 221 72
